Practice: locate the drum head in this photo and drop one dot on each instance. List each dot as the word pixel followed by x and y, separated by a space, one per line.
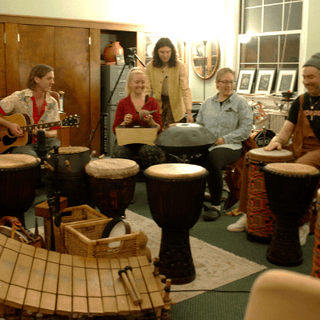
pixel 17 235
pixel 14 161
pixel 115 228
pixel 114 168
pixel 260 154
pixel 71 150
pixel 291 169
pixel 176 171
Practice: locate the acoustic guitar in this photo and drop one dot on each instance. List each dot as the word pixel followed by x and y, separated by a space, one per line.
pixel 8 140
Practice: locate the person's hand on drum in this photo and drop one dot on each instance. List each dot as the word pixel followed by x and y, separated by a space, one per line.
pixel 274 144
pixel 127 119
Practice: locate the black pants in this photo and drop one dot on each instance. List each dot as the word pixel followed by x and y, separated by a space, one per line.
pixel 215 161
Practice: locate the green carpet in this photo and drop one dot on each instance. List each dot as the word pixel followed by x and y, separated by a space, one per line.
pixel 227 302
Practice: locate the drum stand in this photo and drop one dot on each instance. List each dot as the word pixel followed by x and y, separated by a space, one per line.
pixel 54 202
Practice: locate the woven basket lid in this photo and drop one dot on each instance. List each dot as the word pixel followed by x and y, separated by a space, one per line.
pixel 114 168
pixel 11 161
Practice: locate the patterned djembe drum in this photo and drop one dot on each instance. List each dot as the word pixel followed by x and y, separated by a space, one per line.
pixel 175 193
pixel 316 247
pixel 290 189
pixel 260 219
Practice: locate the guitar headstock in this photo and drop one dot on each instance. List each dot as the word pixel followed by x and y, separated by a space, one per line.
pixel 71 121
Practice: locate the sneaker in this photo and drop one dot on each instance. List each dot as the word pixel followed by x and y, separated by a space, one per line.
pixel 303 234
pixel 212 214
pixel 240 225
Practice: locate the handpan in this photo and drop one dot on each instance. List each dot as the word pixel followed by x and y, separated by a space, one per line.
pixel 113 183
pixel 290 189
pixel 260 219
pixel 175 193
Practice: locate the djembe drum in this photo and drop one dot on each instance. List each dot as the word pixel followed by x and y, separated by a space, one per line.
pixel 260 219
pixel 112 182
pixel 73 180
pixel 175 193
pixel 18 179
pixel 290 188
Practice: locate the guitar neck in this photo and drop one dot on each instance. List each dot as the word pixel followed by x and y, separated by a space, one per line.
pixel 46 125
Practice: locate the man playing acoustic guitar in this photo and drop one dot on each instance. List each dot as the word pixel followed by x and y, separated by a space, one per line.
pixel 30 106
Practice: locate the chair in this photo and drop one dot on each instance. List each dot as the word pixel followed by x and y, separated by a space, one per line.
pixel 284 295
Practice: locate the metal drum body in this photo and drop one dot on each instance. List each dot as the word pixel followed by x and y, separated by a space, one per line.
pixel 175 193
pixel 290 189
pixel 73 180
pixel 112 183
pixel 260 219
pixel 18 179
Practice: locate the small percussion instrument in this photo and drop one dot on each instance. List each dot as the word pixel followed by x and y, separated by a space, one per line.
pixel 290 189
pixel 18 176
pixel 37 280
pixel 259 217
pixel 112 183
pixel 315 272
pixel 143 135
pixel 73 180
pixel 262 137
pixel 175 193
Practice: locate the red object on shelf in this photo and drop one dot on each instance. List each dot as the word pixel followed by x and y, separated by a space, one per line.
pixel 110 52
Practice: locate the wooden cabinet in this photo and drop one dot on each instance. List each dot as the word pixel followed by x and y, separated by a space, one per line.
pixel 68 51
pixel 72 48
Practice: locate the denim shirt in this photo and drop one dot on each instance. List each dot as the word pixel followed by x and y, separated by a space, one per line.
pixel 232 121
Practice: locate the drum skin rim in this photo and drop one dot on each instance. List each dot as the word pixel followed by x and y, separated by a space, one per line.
pixel 291 170
pixel 175 171
pixel 270 156
pixel 110 226
pixel 17 162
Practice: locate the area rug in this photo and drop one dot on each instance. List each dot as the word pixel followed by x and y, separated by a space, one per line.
pixel 214 267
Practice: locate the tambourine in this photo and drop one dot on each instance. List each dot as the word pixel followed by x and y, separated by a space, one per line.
pixel 115 228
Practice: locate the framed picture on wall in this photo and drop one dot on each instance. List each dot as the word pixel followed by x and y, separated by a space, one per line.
pixel 286 80
pixel 265 79
pixel 245 80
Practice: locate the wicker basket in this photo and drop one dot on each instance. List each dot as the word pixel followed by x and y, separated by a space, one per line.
pixel 84 239
pixel 78 214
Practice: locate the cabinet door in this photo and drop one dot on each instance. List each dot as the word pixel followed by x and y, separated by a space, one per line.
pixel 36 46
pixel 72 71
pixel 2 64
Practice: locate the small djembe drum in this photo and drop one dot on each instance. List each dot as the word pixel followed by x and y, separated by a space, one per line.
pixel 290 189
pixel 260 219
pixel 112 183
pixel 316 247
pixel 175 193
pixel 18 179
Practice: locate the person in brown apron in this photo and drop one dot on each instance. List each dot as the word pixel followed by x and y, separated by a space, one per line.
pixel 303 126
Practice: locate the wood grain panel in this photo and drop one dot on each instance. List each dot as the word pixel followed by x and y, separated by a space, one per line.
pixel 3 85
pixel 11 56
pixel 34 50
pixel 73 75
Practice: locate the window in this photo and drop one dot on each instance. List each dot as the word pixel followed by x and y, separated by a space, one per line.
pixel 274 27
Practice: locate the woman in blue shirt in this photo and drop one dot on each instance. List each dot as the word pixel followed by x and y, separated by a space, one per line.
pixel 229 117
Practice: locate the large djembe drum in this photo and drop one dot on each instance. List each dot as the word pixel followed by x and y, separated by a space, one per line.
pixel 18 179
pixel 175 193
pixel 290 189
pixel 260 219
pixel 112 182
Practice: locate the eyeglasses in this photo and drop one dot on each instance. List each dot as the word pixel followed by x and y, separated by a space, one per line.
pixel 228 82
